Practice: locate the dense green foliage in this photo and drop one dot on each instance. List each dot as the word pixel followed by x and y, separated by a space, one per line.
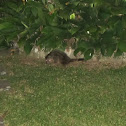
pixel 97 25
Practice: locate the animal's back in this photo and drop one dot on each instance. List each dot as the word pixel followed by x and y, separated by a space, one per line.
pixel 57 56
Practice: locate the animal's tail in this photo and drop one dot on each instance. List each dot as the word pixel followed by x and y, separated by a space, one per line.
pixel 80 59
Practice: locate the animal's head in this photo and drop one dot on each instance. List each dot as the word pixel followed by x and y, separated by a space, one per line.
pixel 49 60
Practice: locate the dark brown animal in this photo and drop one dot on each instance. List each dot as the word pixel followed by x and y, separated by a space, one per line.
pixel 59 57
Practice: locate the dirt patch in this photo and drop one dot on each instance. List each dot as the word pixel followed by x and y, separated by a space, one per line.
pixel 104 63
pixel 90 64
pixel 99 65
pixel 4 85
pixel 30 61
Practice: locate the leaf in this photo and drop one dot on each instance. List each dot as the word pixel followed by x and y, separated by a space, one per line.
pixel 28 47
pixel 72 16
pixel 73 30
pixel 50 7
pixel 24 24
pixel 53 20
pixel 84 44
pixel 118 10
pixel 41 16
pixel 88 53
pixel 118 53
pixel 22 41
pixel 122 45
pixel 55 31
pixel 124 21
pixel 103 51
pixel 44 1
pixel 107 35
pixel 6 25
pixel 119 28
pixel 75 2
pixel 64 14
pixel 12 5
pixel 110 50
pixel 81 49
pixel 2 39
pixel 93 29
pixel 34 11
pixel 12 36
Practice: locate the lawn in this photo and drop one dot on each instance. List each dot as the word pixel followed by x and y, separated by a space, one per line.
pixel 43 95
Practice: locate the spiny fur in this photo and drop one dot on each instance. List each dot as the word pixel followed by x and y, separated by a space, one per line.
pixel 57 56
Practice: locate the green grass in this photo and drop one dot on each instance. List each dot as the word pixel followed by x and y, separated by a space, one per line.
pixel 42 95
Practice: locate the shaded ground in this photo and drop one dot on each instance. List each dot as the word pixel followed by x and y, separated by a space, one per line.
pixel 90 64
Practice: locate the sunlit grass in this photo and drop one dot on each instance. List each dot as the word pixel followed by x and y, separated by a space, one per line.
pixel 42 95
